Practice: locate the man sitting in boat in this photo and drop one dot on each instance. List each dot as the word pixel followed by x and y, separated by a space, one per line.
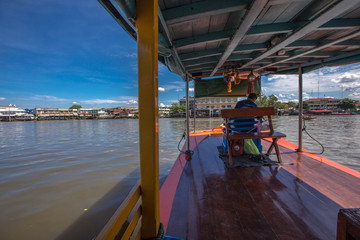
pixel 248 103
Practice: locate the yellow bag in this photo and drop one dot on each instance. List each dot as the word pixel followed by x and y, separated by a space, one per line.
pixel 250 147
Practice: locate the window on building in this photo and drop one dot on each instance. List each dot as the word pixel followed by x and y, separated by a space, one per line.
pixel 229 106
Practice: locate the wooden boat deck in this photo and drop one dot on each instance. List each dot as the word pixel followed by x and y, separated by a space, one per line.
pixel 298 201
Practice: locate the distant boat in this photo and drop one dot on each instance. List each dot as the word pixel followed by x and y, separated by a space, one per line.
pixel 25 117
pixel 308 117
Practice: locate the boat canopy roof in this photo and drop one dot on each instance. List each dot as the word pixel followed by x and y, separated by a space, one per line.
pixel 210 37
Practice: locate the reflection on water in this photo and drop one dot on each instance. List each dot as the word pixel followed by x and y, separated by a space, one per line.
pixel 54 175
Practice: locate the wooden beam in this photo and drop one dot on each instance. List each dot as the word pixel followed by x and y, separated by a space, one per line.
pixel 219 51
pixel 204 38
pixel 118 17
pixel 202 66
pixel 201 54
pixel 313 25
pixel 147 24
pixel 241 56
pixel 341 23
pixel 201 61
pixel 203 8
pixel 254 11
pixel 169 41
pixel 352 35
pixel 276 28
pixel 271 29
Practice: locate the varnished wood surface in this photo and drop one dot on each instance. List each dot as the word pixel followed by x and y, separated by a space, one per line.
pixel 299 201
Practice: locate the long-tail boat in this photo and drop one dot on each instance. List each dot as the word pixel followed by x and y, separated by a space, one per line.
pixel 232 43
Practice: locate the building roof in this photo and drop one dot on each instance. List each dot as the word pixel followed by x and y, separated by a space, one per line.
pixel 208 38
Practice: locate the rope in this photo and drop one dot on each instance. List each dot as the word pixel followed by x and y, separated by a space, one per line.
pixel 304 129
pixel 183 137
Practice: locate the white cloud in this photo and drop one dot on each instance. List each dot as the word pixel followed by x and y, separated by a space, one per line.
pixel 131 55
pixel 47 98
pixel 161 105
pixel 281 95
pixel 329 80
pixel 75 102
pixel 2 98
pixel 355 95
pixel 178 90
pixel 191 89
pixel 100 101
pixel 161 89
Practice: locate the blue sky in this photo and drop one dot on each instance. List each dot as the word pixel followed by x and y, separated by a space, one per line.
pixel 56 53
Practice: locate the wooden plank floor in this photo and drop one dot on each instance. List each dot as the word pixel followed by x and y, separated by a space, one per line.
pixel 299 201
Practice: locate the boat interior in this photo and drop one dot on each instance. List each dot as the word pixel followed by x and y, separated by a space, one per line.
pixel 298 199
pixel 236 41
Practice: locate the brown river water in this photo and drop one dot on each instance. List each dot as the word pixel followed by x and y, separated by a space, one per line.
pixel 64 179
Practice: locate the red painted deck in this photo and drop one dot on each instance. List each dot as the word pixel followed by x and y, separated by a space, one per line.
pixel 299 201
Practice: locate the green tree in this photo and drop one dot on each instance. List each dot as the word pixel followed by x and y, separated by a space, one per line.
pixel 347 103
pixel 291 105
pixel 75 106
pixel 177 108
pixel 263 101
pixel 272 100
pixel 306 106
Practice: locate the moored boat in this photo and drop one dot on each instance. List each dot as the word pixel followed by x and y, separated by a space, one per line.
pixel 237 42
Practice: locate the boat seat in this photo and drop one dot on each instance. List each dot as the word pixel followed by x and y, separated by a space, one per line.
pixel 239 125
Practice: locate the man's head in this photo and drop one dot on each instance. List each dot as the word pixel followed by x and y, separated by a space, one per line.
pixel 252 96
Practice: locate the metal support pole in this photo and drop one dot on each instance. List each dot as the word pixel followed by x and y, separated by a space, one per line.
pixel 194 107
pixel 147 39
pixel 300 110
pixel 187 117
pixel 260 92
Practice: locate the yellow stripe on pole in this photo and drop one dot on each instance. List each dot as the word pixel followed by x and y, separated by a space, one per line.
pixel 147 25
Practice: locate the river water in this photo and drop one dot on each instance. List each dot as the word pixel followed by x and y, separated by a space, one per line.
pixel 63 179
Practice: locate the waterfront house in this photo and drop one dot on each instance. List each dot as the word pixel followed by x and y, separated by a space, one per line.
pixel 323 104
pixel 164 111
pixel 211 106
pixel 10 112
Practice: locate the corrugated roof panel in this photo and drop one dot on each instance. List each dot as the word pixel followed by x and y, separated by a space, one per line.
pixel 201 25
pixel 183 30
pixel 213 45
pixel 234 19
pixel 314 35
pixel 291 10
pixel 272 13
pixel 342 33
pixel 217 22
